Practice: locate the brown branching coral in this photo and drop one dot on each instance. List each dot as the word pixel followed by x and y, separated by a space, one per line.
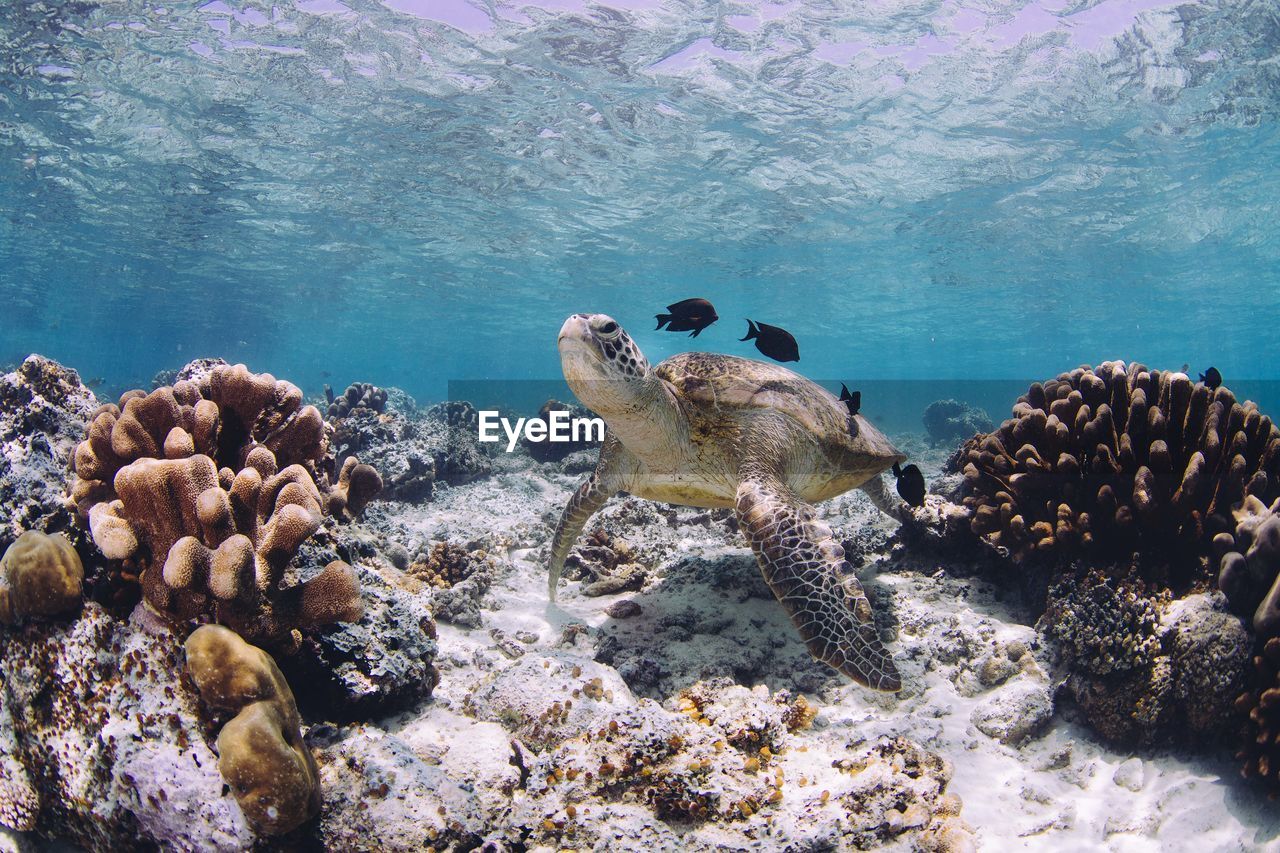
pixel 224 417
pixel 1130 485
pixel 1249 569
pixel 225 550
pixel 357 395
pixel 1119 459
pixel 1260 750
pixel 1249 576
pixel 357 485
pixel 209 490
pixel 448 564
pixel 261 752
pixel 39 576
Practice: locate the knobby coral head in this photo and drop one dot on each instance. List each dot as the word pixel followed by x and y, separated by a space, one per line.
pixel 261 753
pixel 1117 459
pixel 209 489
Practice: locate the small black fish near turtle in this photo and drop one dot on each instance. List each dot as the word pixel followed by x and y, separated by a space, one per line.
pixel 910 484
pixel 776 343
pixel 688 315
pixel 852 400
pixel 1211 377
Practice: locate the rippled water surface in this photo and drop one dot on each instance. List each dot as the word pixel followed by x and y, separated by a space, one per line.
pixel 415 191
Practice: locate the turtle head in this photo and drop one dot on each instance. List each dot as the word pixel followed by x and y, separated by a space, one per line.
pixel 601 363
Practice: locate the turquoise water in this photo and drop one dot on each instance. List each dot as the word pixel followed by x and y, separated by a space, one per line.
pixel 419 191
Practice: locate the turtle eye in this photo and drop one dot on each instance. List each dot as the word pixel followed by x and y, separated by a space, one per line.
pixel 609 328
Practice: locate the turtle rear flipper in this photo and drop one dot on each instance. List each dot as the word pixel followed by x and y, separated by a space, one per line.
pixel 806 569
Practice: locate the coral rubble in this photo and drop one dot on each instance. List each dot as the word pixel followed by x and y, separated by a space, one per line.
pixel 260 750
pixel 379 665
pixel 460 578
pixel 717 755
pixel 100 740
pixel 44 409
pixel 454 429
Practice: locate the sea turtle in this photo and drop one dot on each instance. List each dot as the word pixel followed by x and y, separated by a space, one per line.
pixel 710 430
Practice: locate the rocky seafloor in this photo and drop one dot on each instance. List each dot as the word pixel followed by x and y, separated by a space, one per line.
pixel 664 702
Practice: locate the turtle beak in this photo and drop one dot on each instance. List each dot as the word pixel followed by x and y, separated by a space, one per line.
pixel 574 329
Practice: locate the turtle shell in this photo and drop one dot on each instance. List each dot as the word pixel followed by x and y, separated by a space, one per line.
pixel 727 382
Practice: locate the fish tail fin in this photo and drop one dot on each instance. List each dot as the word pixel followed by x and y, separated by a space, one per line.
pixel 897 471
pixel 694 333
pixel 663 319
pixel 752 331
pixel 1201 377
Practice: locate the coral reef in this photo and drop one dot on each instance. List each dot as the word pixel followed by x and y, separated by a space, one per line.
pixel 391 441
pixel 357 484
pixel 448 564
pixel 379 665
pixel 605 564
pixel 226 550
pixel 413 451
pixel 358 395
pixel 1128 487
pixel 555 451
pixel 1118 459
pixel 40 575
pixel 1249 576
pixel 717 755
pixel 225 416
pixel 1260 748
pixel 459 578
pixel 218 540
pixel 260 750
pixel 1144 669
pixel 100 742
pixel 949 421
pixel 44 410
pixel 460 458
pixel 195 370
pixel 1249 567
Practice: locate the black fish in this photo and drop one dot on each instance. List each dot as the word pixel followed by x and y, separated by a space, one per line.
pixel 910 484
pixel 772 341
pixel 1211 377
pixel 853 401
pixel 686 315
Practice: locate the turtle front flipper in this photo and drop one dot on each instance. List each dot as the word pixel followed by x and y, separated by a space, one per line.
pixel 605 482
pixel 883 500
pixel 806 569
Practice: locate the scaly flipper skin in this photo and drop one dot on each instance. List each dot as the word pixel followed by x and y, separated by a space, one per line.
pixel 806 569
pixel 595 491
pixel 885 500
